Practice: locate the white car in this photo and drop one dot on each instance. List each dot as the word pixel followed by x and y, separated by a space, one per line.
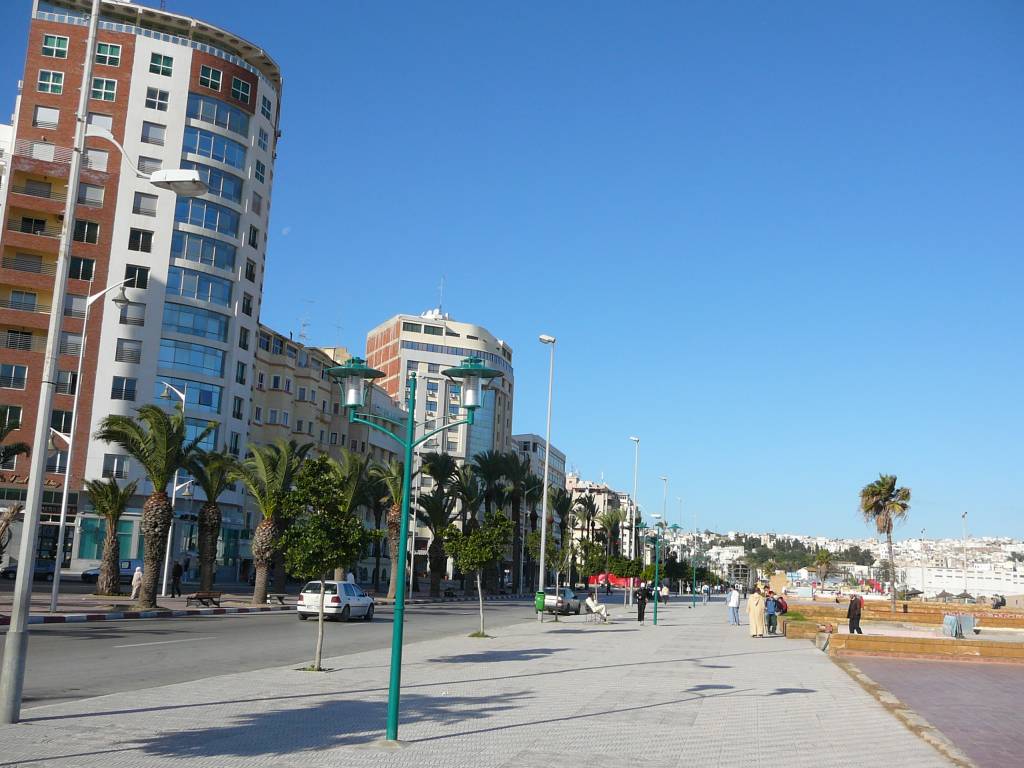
pixel 342 600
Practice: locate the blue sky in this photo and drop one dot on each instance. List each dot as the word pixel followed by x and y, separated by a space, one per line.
pixel 782 244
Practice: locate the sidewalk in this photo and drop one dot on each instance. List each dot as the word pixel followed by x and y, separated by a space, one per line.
pixel 550 695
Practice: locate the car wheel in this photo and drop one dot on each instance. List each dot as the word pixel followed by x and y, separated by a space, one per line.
pixel 368 616
pixel 303 617
pixel 346 612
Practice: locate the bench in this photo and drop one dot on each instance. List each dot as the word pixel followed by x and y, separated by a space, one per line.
pixel 204 598
pixel 278 596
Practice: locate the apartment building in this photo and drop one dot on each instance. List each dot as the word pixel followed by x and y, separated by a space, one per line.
pixel 531 447
pixel 173 92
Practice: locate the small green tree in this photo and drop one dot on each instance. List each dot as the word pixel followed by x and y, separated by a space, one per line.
pixel 325 533
pixel 109 501
pixel 591 559
pixel 475 551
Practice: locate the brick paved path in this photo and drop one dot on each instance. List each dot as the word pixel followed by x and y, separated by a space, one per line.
pixel 551 695
pixel 976 706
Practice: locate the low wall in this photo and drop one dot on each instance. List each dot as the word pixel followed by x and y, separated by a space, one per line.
pixel 948 649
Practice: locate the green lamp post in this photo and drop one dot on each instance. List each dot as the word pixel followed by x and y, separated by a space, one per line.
pixel 353 377
pixel 657 563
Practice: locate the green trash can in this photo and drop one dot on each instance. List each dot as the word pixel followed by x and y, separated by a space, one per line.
pixel 538 602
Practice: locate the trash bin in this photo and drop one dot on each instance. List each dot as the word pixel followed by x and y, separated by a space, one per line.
pixel 538 602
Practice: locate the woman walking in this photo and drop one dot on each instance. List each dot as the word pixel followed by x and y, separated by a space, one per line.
pixel 755 613
pixel 853 614
pixel 641 602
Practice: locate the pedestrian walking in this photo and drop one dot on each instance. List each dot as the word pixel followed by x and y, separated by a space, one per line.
pixel 707 594
pixel 136 583
pixel 771 612
pixel 853 614
pixel 176 572
pixel 641 602
pixel 733 602
pixel 755 613
pixel 664 594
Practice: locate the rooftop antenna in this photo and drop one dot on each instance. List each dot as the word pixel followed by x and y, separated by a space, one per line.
pixel 440 297
pixel 304 324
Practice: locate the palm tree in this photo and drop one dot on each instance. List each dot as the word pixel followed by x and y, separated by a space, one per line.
pixel 822 564
pixel 389 478
pixel 436 513
pixel 882 503
pixel 587 511
pixel 441 467
pixel 560 505
pixel 10 450
pixel 470 493
pixel 380 503
pixel 213 471
pixel 517 474
pixel 158 441
pixel 610 520
pixel 268 473
pixel 489 467
pixel 353 473
pixel 109 502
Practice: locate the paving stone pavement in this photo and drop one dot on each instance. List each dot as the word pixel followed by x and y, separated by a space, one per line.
pixel 551 695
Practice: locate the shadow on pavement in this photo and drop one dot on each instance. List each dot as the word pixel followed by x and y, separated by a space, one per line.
pixel 785 691
pixel 485 657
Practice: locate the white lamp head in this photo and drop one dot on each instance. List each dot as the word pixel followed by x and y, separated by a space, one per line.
pixel 545 339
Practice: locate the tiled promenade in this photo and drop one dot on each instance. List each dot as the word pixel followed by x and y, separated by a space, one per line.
pixel 690 692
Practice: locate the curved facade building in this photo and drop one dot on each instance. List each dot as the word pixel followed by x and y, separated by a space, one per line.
pixel 174 92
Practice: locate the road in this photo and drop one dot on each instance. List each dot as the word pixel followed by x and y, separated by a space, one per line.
pixel 74 661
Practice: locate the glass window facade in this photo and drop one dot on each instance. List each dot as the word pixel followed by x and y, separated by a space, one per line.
pixel 219 148
pixel 189 246
pixel 217 112
pixel 189 356
pixel 203 213
pixel 182 281
pixel 198 395
pixel 220 183
pixel 195 321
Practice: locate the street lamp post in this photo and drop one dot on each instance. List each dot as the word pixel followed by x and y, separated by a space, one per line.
pixel 549 340
pixel 693 563
pixel 181 394
pixel 964 518
pixel 922 564
pixel 352 377
pixel 12 672
pixel 632 516
pixel 121 301
pixel 657 562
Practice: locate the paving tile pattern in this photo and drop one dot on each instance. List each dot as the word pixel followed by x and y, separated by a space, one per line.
pixel 551 695
pixel 975 705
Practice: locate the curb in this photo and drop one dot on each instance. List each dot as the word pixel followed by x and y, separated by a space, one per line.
pixel 68 618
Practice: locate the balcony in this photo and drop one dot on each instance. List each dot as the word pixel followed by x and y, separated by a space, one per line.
pixel 36 266
pixel 127 356
pixel 38 227
pixel 12 382
pixel 24 305
pixel 71 347
pixel 24 342
pixel 39 191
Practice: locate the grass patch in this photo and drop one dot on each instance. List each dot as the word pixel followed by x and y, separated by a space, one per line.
pixel 478 634
pixel 311 668
pixel 794 616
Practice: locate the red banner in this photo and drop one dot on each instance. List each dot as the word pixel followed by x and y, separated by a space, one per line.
pixel 600 579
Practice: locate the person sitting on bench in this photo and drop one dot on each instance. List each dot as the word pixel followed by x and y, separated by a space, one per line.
pixel 595 607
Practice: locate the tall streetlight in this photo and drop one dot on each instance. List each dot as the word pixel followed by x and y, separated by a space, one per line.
pixel 353 377
pixel 181 394
pixel 657 558
pixel 632 515
pixel 693 563
pixel 922 564
pixel 550 341
pixel 12 672
pixel 120 301
pixel 964 518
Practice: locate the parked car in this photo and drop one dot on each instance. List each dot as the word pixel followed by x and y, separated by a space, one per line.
pixel 126 570
pixel 342 601
pixel 563 600
pixel 43 570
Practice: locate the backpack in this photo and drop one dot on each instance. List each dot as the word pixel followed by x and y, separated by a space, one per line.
pixel 783 606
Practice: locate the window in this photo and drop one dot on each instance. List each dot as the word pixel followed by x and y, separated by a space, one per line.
pixel 260 172
pixel 55 46
pixel 287 385
pixel 140 240
pixel 250 270
pixel 286 418
pixel 243 338
pixel 10 416
pixel 195 321
pixel 81 269
pixel 432 330
pixel 103 89
pixel 302 394
pixel 202 142
pixel 210 77
pixel 433 368
pixel 203 213
pixel 278 345
pixel 86 231
pixel 57 462
pixel 128 351
pixel 237 408
pixel 264 342
pixel 203 250
pixel 263 140
pixel 453 410
pixel 46 117
pixel 334 438
pixel 275 382
pixel 412 327
pixel 139 276
pixel 157 99
pixel 257 203
pixel 217 112
pixel 272 416
pixel 240 90
pixel 188 355
pixel 254 236
pixel 144 205
pixel 300 425
pixel 153 133
pixel 90 194
pixel 411 365
pixel 240 373
pixel 13 376
pixel 67 382
pixel 96 159
pixel 19 340
pixel 149 164
pixel 191 284
pixel 432 386
pixel 257 415
pixel 234 446
pixel 74 305
pixel 247 304
pixel 265 108
pixel 160 65
pixel 50 82
pixel 115 465
pixel 108 54
pixel 199 396
pixel 432 406
pixel 32 225
pixel 61 421
pixel 133 313
pixel 123 388
pixel 220 183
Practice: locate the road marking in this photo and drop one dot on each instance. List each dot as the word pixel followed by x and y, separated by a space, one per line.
pixel 166 642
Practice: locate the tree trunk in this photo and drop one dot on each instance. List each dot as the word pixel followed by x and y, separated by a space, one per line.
pixel 156 522
pixel 517 549
pixel 437 564
pixel 480 598
pixel 394 530
pixel 209 532
pixel 109 582
pixel 892 568
pixel 319 631
pixel 264 540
